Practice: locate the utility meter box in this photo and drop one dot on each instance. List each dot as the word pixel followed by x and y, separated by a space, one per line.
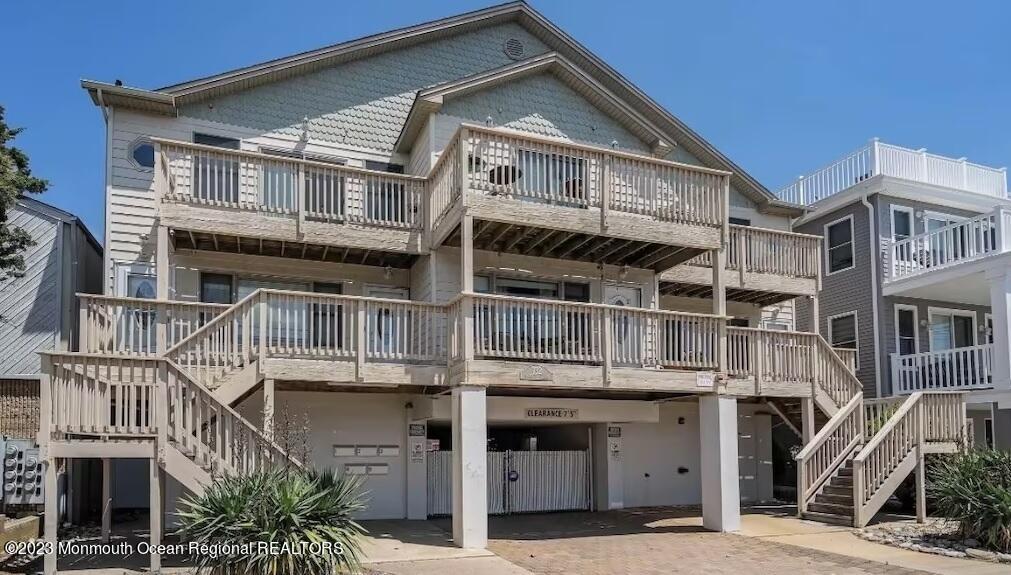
pixel 22 473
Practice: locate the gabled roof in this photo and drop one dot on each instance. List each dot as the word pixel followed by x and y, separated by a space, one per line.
pixel 431 99
pixel 51 211
pixel 168 99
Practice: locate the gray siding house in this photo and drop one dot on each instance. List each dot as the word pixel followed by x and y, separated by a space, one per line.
pixel 915 264
pixel 38 311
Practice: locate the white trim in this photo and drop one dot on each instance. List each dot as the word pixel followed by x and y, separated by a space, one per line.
pixel 891 219
pixel 935 215
pixel 856 331
pixel 916 325
pixel 122 270
pixel 132 146
pixel 853 250
pixel 993 438
pixel 951 311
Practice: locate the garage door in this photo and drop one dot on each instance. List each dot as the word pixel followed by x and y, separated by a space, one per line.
pixel 518 481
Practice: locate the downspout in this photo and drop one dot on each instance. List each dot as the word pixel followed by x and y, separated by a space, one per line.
pixel 873 238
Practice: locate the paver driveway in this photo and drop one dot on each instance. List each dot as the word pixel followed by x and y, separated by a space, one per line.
pixel 644 542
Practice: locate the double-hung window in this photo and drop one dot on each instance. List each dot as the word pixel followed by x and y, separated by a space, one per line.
pixel 906 340
pixel 839 245
pixel 842 330
pixel 951 329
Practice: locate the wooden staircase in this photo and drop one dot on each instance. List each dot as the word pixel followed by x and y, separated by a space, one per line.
pixel 853 465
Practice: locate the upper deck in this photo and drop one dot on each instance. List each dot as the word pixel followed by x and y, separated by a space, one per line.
pixel 881 159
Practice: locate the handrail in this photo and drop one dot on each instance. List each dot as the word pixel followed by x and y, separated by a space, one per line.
pixel 765 250
pixel 829 427
pixel 943 370
pixel 828 450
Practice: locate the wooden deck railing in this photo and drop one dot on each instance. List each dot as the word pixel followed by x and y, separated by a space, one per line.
pixel 960 242
pixel 878 158
pixel 790 357
pixel 921 419
pixel 550 330
pixel 133 326
pixel 760 250
pixel 281 185
pixel 95 395
pixel 523 166
pixel 962 368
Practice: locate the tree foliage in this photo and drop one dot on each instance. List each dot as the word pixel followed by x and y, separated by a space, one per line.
pixel 16 179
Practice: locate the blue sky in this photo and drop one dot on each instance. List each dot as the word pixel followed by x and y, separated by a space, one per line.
pixel 780 87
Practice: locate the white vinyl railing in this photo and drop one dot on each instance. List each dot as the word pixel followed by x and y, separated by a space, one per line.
pixel 512 164
pixel 302 189
pixel 878 158
pixel 949 369
pixel 761 250
pixel 964 241
pixel 131 326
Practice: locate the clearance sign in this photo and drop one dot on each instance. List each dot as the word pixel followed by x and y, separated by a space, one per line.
pixel 552 413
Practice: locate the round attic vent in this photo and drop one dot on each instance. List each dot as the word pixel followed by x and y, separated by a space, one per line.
pixel 513 48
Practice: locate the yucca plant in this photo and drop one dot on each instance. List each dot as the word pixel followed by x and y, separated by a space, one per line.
pixel 265 522
pixel 973 487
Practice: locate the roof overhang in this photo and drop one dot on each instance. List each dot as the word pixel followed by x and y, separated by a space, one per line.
pixel 430 100
pixel 168 99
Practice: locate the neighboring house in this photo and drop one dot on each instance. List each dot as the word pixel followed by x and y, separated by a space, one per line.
pixel 38 311
pixel 492 273
pixel 915 274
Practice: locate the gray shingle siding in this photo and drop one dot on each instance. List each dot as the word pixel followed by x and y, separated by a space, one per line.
pixel 846 291
pixel 364 103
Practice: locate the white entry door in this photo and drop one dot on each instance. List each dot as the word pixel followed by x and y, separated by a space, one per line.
pixel 388 324
pixel 628 342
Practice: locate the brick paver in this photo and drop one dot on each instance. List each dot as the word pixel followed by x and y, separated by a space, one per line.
pixel 638 542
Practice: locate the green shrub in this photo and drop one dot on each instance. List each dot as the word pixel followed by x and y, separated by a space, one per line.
pixel 278 507
pixel 974 488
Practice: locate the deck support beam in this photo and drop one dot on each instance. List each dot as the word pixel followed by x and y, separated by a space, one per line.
pixel 470 463
pixel 269 400
pixel 106 499
pixel 157 480
pixel 807 420
pixel 721 490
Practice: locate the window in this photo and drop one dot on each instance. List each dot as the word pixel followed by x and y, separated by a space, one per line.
pixel 777 325
pixel 988 432
pixel 142 153
pixel 740 221
pixel 739 322
pixel 907 340
pixel 989 327
pixel 839 245
pixel 842 330
pixel 951 329
pixel 215 288
pixel 215 177
pixel 902 223
pixel 386 199
pixel 141 286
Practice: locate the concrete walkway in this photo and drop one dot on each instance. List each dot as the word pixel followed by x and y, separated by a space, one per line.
pixel 782 526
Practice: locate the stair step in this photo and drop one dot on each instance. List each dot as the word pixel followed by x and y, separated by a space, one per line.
pixel 835 498
pixel 839 490
pixel 846 470
pixel 828 518
pixel 838 481
pixel 832 509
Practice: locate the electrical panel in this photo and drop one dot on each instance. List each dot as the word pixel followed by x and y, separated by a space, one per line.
pixel 22 473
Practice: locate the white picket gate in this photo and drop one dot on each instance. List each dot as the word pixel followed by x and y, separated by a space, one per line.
pixel 518 482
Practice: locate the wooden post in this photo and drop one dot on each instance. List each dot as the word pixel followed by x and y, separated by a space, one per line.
pixel 161 409
pixel 858 492
pixel 51 494
pixel 300 199
pixel 155 504
pixel 742 256
pixel 360 340
pixel 807 421
pixel 801 488
pixel 467 286
pixel 106 499
pixel 921 472
pixel 758 361
pixel 605 192
pixel 463 164
pixel 719 259
pixel 82 323
pixel 815 315
pixel 263 309
pixel 162 279
pixel 606 345
pixel 268 408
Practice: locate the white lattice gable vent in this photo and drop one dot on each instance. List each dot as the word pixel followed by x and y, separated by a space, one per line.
pixel 514 48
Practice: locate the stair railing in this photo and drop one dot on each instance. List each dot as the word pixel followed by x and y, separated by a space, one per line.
pixel 222 345
pixel 833 375
pixel 210 431
pixel 828 450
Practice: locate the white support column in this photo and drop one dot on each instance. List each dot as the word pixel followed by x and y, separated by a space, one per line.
pixel 157 487
pixel 417 468
pixel 470 463
pixel 807 419
pixel 106 499
pixel 467 286
pixel 721 490
pixel 1000 305
pixel 269 398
